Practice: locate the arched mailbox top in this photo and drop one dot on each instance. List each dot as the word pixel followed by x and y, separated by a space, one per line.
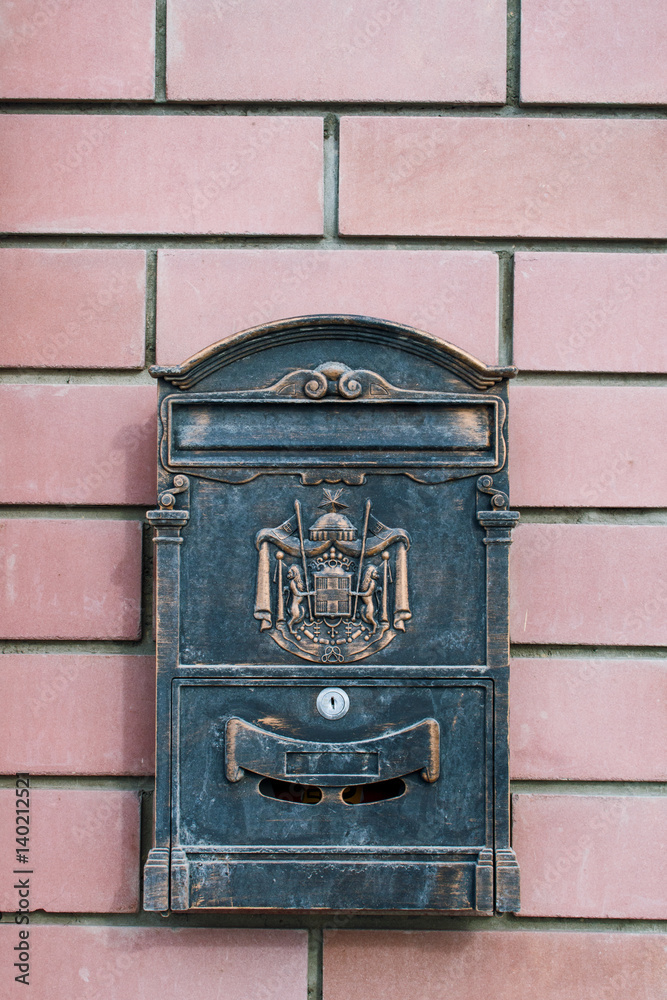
pixel 392 400
pixel 341 327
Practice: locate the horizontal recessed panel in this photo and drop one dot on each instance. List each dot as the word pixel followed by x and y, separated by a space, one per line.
pixel 365 433
pixel 327 762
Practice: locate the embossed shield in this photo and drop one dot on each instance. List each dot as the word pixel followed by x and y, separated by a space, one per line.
pixel 333 595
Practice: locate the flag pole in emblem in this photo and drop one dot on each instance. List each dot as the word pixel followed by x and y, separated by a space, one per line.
pixel 361 557
pixel 297 508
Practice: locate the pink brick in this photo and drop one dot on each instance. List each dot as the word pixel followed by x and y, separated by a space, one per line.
pixel 107 701
pixel 596 719
pixel 70 579
pixel 505 965
pixel 93 50
pixel 142 963
pixel 588 446
pixel 83 444
pixel 72 308
pixel 604 52
pixel 458 176
pixel 589 584
pixel 204 295
pixel 161 174
pixel 368 50
pixel 592 855
pixel 590 312
pixel 83 850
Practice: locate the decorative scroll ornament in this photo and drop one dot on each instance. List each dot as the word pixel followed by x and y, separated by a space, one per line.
pixel 499 500
pixel 329 598
pixel 333 378
pixel 167 500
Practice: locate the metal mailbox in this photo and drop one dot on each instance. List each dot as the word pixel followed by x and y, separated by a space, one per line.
pixel 331 554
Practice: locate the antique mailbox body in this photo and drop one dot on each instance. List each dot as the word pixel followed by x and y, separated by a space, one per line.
pixel 331 557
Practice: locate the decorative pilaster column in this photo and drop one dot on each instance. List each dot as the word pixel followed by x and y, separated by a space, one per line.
pixel 167 523
pixel 498 523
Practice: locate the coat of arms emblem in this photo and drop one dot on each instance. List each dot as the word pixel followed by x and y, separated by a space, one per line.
pixel 337 595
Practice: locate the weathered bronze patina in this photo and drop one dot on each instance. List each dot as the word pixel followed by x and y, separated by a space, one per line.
pixel 331 555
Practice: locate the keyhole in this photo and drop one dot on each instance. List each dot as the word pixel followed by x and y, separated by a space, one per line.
pixel 332 703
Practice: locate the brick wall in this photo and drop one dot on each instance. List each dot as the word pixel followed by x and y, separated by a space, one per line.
pixel 173 172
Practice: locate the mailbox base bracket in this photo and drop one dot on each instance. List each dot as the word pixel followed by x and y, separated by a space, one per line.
pixel 455 885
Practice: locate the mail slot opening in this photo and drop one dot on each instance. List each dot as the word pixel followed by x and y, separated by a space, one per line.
pixel 290 791
pixel 376 791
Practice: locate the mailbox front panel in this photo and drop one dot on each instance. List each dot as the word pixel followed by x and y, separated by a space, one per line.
pixel 254 811
pixel 331 596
